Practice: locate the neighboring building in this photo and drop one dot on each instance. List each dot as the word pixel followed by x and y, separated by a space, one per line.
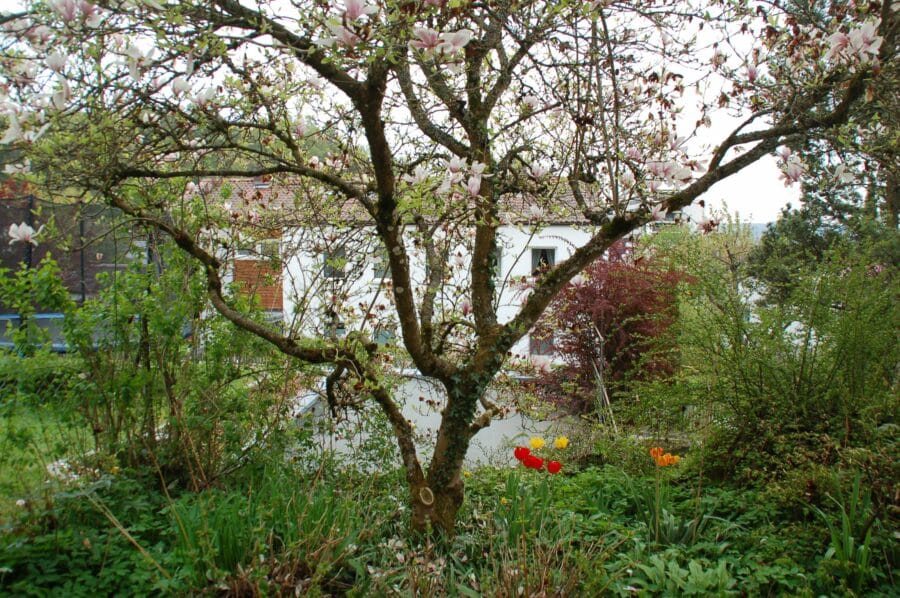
pixel 84 240
pixel 325 272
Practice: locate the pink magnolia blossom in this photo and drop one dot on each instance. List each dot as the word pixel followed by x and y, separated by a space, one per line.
pixel 354 9
pixel 861 44
pixel 428 39
pixel 658 213
pixel 633 153
pixel 23 233
pixel 466 307
pixel 865 41
pixel 340 36
pixel 89 14
pixel 455 164
pixel 66 9
pixel 792 171
pixel 473 185
pixel 453 42
pixel 752 73
pixel 537 171
pixel 838 42
pixel 535 212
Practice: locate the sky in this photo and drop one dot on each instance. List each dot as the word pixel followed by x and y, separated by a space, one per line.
pixel 756 193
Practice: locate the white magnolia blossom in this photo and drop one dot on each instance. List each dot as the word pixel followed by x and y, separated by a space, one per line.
pixel 478 169
pixel 14 169
pixel 136 61
pixel 532 102
pixel 419 175
pixel 23 233
pixel 204 97
pixel 56 61
pixel 658 213
pixel 180 86
pixel 14 130
pixel 842 175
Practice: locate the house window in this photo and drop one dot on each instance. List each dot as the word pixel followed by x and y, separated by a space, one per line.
pixel 542 258
pixel 496 262
pixel 383 336
pixel 381 268
pixel 265 249
pixel 335 327
pixel 270 248
pixel 335 261
pixel 540 345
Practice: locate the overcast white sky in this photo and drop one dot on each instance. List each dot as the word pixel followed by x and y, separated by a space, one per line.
pixel 756 193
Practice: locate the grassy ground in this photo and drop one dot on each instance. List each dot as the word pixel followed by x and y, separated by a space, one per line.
pixel 32 436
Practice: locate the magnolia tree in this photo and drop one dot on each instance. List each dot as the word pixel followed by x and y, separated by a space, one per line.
pixel 421 118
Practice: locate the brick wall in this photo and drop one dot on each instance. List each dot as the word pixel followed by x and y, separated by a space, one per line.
pixel 253 276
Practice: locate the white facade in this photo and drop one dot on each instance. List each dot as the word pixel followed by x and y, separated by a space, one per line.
pixel 350 265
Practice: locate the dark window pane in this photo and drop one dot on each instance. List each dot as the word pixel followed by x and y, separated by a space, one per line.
pixel 542 258
pixel 541 346
pixel 335 260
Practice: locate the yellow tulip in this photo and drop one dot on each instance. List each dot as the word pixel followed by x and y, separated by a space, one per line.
pixel 561 442
pixel 537 442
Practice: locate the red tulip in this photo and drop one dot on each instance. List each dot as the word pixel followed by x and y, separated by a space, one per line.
pixel 554 466
pixel 533 462
pixel 521 452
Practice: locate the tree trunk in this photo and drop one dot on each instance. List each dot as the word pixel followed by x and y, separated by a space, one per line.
pixel 437 500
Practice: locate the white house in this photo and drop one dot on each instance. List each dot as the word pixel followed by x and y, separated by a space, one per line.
pixel 325 273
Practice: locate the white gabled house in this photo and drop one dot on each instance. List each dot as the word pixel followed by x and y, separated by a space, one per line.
pixel 325 272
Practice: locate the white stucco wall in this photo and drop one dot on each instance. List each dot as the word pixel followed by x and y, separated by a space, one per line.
pixel 307 292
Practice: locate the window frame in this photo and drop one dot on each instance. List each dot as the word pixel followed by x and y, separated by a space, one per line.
pixel 536 264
